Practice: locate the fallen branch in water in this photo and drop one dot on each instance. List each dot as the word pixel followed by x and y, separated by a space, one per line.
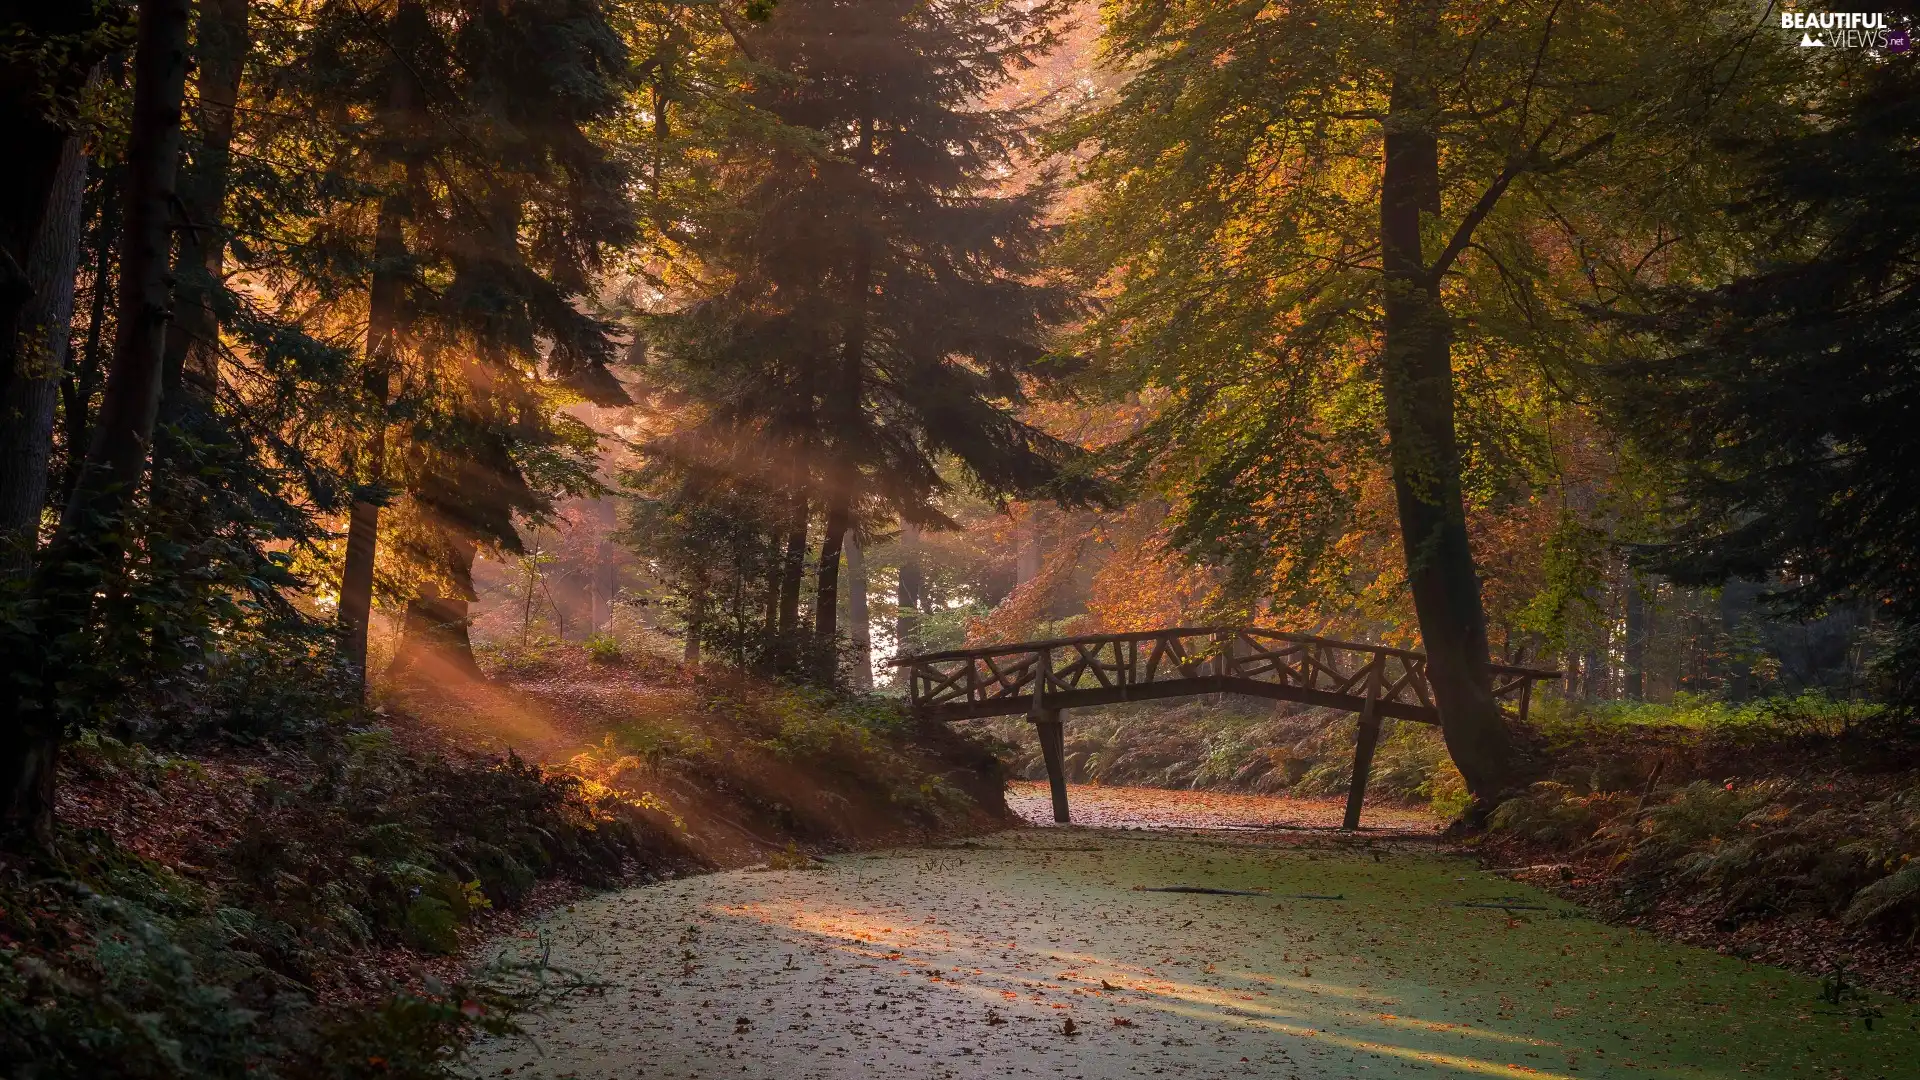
pixel 1197 889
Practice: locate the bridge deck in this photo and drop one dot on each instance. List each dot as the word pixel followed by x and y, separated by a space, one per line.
pixel 1041 678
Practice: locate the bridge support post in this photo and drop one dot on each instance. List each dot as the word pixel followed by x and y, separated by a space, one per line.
pixel 1053 739
pixel 1363 747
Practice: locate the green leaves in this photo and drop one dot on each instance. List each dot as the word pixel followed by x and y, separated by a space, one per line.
pixel 1231 218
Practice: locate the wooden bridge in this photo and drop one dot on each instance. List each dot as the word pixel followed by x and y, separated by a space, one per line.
pixel 1042 678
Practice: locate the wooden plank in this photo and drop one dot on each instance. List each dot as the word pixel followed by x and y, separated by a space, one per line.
pixel 947 680
pixel 1153 658
pixel 1093 663
pixel 1392 693
pixel 1420 684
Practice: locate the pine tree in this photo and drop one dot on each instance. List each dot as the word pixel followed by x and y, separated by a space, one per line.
pixel 489 206
pixel 92 535
pixel 868 300
pixel 1784 400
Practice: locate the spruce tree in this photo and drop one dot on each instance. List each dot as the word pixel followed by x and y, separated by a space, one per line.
pixel 1784 400
pixel 92 534
pixel 488 206
pixel 869 301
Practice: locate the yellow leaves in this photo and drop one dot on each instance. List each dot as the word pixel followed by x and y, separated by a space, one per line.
pixel 603 772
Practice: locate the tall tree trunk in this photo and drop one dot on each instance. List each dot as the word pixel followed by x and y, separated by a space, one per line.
pixel 1636 679
pixel 697 602
pixel 1736 604
pixel 826 592
pixel 770 619
pixel 846 413
pixel 1417 385
pixel 793 564
pixel 83 374
pixel 859 631
pixel 193 341
pixel 436 640
pixel 32 92
pixel 907 620
pixel 363 519
pixel 41 346
pixel 385 324
pixel 605 584
pixel 189 437
pixel 91 539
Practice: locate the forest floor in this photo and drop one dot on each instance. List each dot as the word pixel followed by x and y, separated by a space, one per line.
pixel 736 766
pixel 308 900
pixel 1108 806
pixel 1047 952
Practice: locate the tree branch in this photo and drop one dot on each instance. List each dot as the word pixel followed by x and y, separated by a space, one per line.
pixel 1529 163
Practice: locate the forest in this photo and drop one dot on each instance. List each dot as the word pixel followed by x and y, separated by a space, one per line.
pixel 460 459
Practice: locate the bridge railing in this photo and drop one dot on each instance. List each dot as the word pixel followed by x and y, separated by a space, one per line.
pixel 1004 679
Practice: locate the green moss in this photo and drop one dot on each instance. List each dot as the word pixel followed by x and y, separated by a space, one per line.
pixel 1351 960
pixel 1532 983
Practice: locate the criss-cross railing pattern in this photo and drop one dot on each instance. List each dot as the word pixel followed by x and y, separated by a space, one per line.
pixel 1001 680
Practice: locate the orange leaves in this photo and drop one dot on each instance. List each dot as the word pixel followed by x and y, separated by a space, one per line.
pixel 1144 583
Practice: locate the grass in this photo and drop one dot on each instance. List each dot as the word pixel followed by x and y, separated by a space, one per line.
pixel 1809 712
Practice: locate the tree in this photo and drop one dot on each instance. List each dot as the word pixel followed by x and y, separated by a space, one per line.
pixel 92 532
pixel 51 48
pixel 865 300
pixel 1783 400
pixel 489 204
pixel 42 343
pixel 1329 234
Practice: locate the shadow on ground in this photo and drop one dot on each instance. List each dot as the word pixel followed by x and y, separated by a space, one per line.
pixel 1038 952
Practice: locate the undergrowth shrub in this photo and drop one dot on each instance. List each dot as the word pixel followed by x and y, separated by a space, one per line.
pixel 94 985
pixel 1549 813
pixel 258 688
pixel 1893 902
pixel 127 968
pixel 602 648
pixel 1242 746
pixel 384 847
pixel 861 745
pixel 422 1034
pixel 1757 849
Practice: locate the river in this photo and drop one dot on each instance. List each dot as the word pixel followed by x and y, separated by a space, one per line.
pixel 1046 952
